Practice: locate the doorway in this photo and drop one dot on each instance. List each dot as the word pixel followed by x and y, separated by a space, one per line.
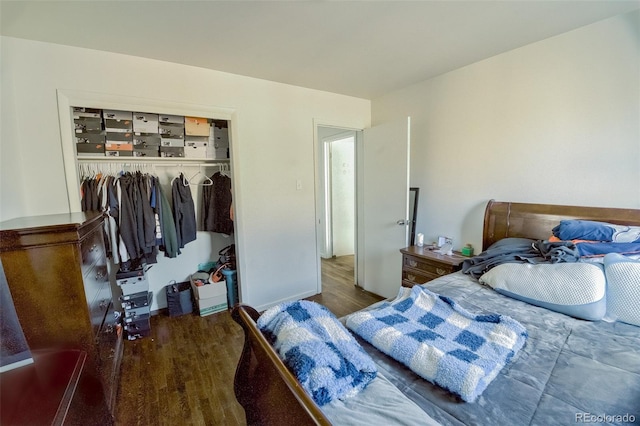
pixel 336 201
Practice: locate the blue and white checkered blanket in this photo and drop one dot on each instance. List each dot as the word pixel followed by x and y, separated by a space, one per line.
pixel 327 360
pixel 440 341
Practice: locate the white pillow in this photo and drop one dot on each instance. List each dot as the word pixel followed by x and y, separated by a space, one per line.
pixel 575 289
pixel 623 288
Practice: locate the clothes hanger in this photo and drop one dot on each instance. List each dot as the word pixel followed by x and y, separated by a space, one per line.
pixel 207 181
pixel 224 170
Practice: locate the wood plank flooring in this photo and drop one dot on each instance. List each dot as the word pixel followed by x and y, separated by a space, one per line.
pixel 183 373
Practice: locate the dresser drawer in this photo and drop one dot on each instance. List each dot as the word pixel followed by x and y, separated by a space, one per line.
pixel 94 279
pixel 109 341
pixel 92 249
pixel 99 306
pixel 426 267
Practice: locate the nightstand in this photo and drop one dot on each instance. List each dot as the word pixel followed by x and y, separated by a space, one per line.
pixel 420 265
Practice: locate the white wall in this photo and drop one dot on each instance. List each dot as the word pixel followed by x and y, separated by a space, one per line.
pixel 557 122
pixel 343 194
pixel 273 148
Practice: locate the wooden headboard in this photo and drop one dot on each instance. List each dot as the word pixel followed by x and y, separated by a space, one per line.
pixel 271 395
pixel 535 221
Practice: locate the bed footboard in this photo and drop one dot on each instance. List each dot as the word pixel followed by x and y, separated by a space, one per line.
pixel 266 389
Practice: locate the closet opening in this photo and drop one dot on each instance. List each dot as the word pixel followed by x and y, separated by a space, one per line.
pixel 156 144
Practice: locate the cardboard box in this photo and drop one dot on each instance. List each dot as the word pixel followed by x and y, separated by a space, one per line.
pixel 109 153
pixel 221 137
pixel 110 114
pixel 115 137
pixel 166 118
pixel 136 300
pixel 195 152
pixel 133 285
pixel 146 140
pixel 90 149
pixel 81 112
pixel 218 154
pixel 90 138
pixel 87 125
pixel 210 298
pixel 196 126
pixel 171 151
pixel 171 130
pixel 119 146
pixel 171 142
pixel 145 123
pixel 146 152
pixel 118 126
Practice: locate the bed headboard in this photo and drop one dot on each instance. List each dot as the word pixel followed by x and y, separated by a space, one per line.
pixel 505 219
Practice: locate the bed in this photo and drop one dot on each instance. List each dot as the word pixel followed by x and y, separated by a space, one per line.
pixel 569 371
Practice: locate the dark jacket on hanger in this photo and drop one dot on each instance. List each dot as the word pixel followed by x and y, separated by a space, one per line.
pixel 148 222
pixel 128 216
pixel 216 205
pixel 184 212
pixel 169 242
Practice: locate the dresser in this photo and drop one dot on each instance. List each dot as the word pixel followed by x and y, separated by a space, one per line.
pixel 57 272
pixel 420 265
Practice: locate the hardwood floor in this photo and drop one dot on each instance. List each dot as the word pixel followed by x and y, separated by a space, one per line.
pixel 183 373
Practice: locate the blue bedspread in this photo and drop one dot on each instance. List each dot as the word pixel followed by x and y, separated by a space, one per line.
pixel 440 341
pixel 327 360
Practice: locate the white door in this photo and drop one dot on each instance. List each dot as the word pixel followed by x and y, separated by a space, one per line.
pixel 385 201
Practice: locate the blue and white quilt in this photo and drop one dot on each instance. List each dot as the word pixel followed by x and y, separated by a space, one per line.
pixel 440 341
pixel 327 360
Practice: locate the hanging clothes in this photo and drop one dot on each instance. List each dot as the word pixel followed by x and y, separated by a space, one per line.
pixel 147 219
pixel 168 240
pixel 216 205
pixel 140 220
pixel 184 211
pixel 128 222
pixel 90 200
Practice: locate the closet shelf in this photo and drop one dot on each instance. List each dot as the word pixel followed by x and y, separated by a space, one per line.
pixel 172 160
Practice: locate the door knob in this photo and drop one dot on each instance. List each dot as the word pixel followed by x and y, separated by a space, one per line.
pixel 402 222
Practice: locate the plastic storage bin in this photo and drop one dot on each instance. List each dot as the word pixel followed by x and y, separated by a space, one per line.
pixel 232 287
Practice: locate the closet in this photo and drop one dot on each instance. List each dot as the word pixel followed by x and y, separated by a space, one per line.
pixel 184 148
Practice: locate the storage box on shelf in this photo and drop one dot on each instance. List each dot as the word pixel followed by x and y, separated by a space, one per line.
pixel 115 133
pixel 145 123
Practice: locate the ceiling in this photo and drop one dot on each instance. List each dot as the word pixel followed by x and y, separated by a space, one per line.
pixel 358 48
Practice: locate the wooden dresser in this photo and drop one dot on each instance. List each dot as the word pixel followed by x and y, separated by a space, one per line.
pixel 57 271
pixel 420 265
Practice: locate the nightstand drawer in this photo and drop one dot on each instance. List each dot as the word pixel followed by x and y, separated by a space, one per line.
pixel 420 265
pixel 427 267
pixel 411 277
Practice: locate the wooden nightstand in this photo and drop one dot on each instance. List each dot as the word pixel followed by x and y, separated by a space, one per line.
pixel 419 265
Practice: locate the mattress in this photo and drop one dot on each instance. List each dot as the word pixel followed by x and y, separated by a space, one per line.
pixel 569 371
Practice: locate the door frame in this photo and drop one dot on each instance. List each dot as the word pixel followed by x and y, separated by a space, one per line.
pixel 318 173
